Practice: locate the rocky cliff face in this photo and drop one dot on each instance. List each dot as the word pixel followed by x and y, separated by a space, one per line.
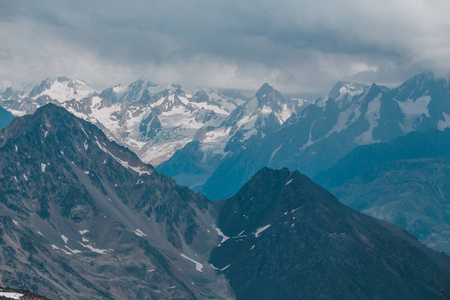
pixel 285 237
pixel 83 217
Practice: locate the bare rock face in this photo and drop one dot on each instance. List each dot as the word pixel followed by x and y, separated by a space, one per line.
pixel 287 238
pixel 83 217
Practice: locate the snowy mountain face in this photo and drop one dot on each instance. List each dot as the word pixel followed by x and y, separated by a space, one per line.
pixel 62 89
pixel 262 114
pixel 153 121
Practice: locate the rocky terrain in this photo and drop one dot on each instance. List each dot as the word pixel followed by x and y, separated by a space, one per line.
pixel 82 217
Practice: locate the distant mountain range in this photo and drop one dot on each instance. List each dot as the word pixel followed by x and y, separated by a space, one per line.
pixel 323 132
pixel 204 137
pixel 153 121
pixel 82 217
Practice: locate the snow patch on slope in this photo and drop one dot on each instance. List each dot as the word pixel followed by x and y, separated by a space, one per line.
pixel 125 164
pixel 198 266
pixel 220 233
pixel 260 230
pixel 415 108
pixel 372 115
pixel 11 295
pixel 443 124
pixel 138 232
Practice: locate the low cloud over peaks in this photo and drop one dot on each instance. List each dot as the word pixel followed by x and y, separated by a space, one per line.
pixel 299 47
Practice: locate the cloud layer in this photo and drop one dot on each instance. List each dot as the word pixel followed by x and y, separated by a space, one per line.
pixel 298 46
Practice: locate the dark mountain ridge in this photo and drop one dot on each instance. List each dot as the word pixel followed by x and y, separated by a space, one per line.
pixel 291 239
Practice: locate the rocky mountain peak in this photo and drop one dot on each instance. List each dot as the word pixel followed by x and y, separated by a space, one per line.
pixel 62 89
pixel 423 84
pixel 90 203
pixel 62 79
pixel 268 96
pixel 346 89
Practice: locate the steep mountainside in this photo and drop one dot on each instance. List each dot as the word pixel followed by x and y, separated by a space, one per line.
pixel 404 182
pixel 82 217
pixel 284 237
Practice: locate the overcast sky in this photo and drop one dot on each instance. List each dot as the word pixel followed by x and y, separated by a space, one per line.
pixel 298 46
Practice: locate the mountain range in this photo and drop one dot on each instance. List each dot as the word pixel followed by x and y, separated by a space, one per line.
pixel 83 217
pixel 382 151
pixel 201 137
pixel 153 121
pixel 291 239
pixel 323 132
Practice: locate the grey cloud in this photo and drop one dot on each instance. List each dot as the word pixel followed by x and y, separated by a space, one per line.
pixel 298 46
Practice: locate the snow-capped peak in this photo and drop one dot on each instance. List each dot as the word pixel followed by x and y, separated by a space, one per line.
pixel 62 89
pixel 346 90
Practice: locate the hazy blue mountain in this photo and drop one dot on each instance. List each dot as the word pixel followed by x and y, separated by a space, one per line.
pixel 5 117
pixel 285 237
pixel 404 181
